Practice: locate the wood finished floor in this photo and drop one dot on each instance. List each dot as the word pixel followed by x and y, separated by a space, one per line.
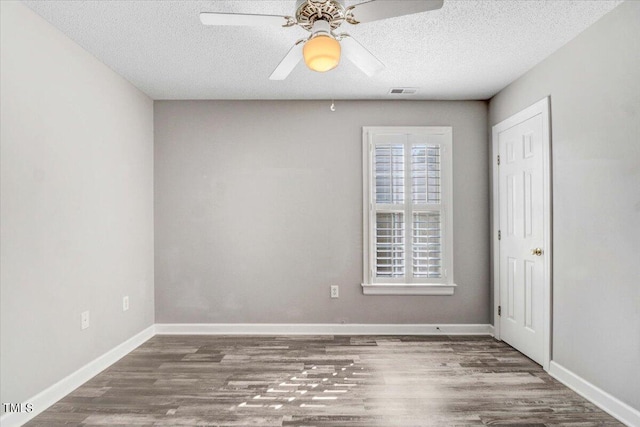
pixel 344 381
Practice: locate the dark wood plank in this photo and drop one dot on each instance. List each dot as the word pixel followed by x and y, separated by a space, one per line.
pixel 323 381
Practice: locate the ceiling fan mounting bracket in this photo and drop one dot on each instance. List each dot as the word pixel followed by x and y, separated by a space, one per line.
pixel 310 11
pixel 348 16
pixel 291 21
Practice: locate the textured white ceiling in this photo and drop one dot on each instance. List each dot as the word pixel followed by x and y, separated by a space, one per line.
pixel 466 50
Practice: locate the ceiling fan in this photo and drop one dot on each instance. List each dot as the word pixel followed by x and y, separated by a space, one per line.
pixel 322 18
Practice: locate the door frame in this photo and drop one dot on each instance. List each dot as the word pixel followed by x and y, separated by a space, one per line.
pixel 541 107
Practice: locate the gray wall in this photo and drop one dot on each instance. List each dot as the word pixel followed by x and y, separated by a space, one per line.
pixel 594 84
pixel 258 210
pixel 76 148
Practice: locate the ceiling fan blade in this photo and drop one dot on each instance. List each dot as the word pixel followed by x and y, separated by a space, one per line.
pixel 360 56
pixel 288 63
pixel 375 10
pixel 214 18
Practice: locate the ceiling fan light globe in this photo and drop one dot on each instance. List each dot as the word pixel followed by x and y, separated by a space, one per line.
pixel 321 53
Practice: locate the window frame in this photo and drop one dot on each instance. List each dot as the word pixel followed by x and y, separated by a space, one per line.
pixel 445 285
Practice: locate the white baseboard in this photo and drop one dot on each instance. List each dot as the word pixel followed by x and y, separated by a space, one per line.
pixel 597 396
pixel 57 391
pixel 319 329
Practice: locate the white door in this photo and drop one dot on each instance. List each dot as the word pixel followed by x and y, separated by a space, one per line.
pixel 523 246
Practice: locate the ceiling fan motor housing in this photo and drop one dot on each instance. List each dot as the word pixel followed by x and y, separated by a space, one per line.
pixel 309 12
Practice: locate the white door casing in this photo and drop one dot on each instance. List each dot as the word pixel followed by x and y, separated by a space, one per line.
pixel 522 231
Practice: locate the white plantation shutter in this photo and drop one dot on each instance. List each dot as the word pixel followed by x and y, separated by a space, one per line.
pixel 407 182
pixel 425 173
pixel 426 228
pixel 389 173
pixel 390 244
pixel 427 245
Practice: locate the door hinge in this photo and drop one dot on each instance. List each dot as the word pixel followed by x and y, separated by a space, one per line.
pixel 499 310
pixel 499 235
pixel 498 159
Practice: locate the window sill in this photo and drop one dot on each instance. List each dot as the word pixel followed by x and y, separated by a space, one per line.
pixel 408 289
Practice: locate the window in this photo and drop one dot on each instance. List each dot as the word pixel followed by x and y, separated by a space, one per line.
pixel 408 233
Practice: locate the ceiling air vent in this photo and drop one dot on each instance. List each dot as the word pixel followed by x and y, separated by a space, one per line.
pixel 403 90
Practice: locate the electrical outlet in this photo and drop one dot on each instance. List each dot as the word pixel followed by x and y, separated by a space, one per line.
pixel 125 303
pixel 335 293
pixel 84 320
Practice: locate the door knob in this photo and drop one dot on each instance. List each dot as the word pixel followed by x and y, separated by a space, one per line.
pixel 536 251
